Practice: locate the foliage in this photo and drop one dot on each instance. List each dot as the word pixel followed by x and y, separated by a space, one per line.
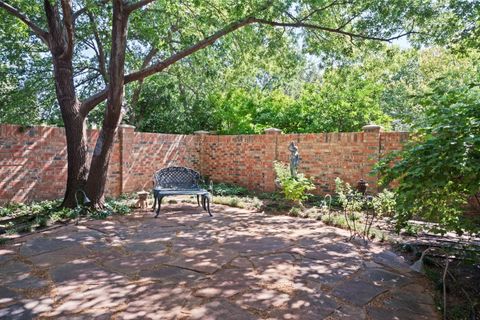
pixel 227 189
pixel 361 211
pixel 14 209
pixel 293 188
pixel 384 203
pixel 380 87
pixel 257 77
pixel 439 170
pixel 38 215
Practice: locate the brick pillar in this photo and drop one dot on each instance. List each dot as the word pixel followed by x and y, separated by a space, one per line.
pixel 200 136
pixel 372 141
pixel 271 141
pixel 126 135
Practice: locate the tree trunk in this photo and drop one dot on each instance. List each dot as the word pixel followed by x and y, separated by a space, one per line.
pixel 60 40
pixel 97 176
pixel 77 158
pixel 75 129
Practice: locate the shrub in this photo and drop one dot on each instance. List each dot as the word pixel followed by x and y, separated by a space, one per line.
pixel 293 188
pixel 384 203
pixel 439 169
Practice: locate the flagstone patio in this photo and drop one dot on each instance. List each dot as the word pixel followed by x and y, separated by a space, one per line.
pixel 186 265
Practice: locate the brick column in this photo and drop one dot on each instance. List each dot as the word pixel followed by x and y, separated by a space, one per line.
pixel 372 142
pixel 200 136
pixel 126 136
pixel 271 137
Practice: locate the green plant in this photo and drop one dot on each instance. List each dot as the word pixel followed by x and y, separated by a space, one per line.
pixel 293 188
pixel 352 203
pixel 438 170
pixel 384 203
pixel 41 221
pixel 63 214
pixel 100 214
pixel 226 189
pixel 295 211
pixel 256 203
pixel 411 229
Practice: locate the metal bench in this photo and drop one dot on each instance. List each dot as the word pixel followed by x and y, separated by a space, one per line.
pixel 174 181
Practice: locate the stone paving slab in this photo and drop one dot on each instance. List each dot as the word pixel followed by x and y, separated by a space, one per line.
pixel 185 265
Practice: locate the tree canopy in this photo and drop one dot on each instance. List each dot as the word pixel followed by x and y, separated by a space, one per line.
pixel 258 65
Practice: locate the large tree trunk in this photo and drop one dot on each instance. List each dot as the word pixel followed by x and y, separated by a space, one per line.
pixel 77 158
pixel 75 128
pixel 97 176
pixel 60 40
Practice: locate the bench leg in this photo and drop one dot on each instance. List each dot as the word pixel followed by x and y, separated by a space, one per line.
pixel 154 203
pixel 159 205
pixel 198 200
pixel 208 206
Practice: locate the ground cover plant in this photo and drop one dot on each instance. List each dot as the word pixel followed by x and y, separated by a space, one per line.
pixel 20 218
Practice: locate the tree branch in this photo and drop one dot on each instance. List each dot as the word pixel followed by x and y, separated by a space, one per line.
pixel 68 22
pixel 101 54
pixel 136 92
pixel 42 34
pixel 85 9
pixel 188 51
pixel 327 29
pixel 314 11
pixel 91 102
pixel 137 5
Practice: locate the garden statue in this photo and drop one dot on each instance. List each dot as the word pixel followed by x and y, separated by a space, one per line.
pixel 294 159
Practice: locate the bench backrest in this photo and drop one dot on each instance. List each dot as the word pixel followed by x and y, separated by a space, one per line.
pixel 176 178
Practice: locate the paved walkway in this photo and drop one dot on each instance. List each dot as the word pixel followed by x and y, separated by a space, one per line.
pixel 186 265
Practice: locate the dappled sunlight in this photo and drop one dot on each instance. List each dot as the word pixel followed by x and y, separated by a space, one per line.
pixel 24 173
pixel 187 265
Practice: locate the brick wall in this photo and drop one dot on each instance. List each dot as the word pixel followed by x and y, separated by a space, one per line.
pixel 247 160
pixel 33 161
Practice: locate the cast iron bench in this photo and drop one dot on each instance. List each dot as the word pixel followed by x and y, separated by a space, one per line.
pixel 174 181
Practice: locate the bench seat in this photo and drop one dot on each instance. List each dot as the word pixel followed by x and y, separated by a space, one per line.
pixel 175 181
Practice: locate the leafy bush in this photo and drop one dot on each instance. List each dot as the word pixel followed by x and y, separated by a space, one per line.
pixel 360 211
pixel 294 188
pixel 37 208
pixel 40 214
pixel 384 203
pixel 439 169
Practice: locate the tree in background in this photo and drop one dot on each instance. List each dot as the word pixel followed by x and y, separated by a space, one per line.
pixel 85 55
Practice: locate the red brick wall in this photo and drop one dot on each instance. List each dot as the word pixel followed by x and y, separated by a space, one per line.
pixel 33 162
pixel 247 160
pixel 145 153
